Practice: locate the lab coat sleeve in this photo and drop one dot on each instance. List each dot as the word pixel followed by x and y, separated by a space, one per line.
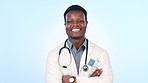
pixel 106 76
pixel 53 73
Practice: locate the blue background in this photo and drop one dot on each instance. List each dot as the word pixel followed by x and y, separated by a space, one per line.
pixel 30 28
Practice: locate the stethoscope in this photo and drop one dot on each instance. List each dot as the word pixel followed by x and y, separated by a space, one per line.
pixel 85 67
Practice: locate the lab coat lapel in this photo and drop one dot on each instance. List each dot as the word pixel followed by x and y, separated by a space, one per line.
pixel 90 50
pixel 82 62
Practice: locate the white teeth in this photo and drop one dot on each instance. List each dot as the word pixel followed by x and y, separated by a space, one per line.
pixel 75 30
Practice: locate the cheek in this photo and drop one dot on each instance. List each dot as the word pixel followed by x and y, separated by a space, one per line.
pixel 84 26
pixel 67 29
pixel 66 25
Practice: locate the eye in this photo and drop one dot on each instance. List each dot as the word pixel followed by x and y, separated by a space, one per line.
pixel 69 22
pixel 81 21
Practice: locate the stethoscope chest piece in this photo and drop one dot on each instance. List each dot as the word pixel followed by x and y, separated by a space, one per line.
pixel 85 68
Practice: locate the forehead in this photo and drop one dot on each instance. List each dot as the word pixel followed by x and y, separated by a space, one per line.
pixel 75 12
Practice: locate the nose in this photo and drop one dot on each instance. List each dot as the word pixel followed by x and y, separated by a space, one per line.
pixel 75 24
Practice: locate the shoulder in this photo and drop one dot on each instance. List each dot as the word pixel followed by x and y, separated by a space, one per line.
pixel 57 48
pixel 99 52
pixel 95 46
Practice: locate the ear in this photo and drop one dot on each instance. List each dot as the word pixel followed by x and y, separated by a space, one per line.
pixel 86 23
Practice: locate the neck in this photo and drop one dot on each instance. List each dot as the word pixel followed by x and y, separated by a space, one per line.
pixel 77 42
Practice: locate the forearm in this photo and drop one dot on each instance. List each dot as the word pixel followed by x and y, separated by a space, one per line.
pixel 105 77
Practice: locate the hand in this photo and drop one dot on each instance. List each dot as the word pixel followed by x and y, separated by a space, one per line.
pixel 65 79
pixel 97 72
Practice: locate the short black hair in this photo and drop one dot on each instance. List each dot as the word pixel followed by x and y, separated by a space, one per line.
pixel 75 7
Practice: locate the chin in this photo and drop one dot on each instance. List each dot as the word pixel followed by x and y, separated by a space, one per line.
pixel 76 38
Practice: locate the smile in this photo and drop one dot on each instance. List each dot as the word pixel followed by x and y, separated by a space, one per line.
pixel 75 30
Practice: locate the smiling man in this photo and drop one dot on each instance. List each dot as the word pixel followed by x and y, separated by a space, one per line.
pixel 76 24
pixel 87 62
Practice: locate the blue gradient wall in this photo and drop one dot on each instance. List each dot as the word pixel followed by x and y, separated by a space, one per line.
pixel 30 28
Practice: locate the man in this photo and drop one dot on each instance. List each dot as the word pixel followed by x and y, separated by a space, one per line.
pixel 87 62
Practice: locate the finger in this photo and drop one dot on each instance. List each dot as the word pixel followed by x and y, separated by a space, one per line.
pixel 100 72
pixel 65 78
pixel 97 72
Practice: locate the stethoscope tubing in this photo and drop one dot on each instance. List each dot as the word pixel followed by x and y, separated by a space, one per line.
pixel 85 67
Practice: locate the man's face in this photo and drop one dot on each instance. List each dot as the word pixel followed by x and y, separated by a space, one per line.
pixel 75 24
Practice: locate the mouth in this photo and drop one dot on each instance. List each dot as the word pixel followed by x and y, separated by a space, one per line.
pixel 75 30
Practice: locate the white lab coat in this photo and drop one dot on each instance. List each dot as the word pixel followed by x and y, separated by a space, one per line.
pixel 54 72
